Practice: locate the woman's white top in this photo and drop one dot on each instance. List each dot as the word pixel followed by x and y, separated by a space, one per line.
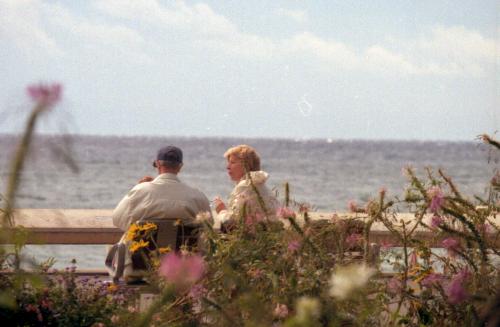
pixel 253 196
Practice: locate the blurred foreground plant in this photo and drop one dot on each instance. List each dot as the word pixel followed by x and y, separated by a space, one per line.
pixel 44 98
pixel 35 297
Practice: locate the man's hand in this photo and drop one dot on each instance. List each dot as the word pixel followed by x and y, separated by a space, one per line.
pixel 146 179
pixel 218 204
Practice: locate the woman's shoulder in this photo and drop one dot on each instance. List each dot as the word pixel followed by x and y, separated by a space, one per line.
pixel 256 177
pixel 259 177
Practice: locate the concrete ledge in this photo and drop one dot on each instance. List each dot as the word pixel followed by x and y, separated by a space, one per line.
pixel 67 226
pixel 95 226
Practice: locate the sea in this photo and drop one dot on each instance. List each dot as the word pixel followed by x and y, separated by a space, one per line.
pixel 95 172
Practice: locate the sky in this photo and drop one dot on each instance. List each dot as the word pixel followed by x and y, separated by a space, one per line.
pixel 409 70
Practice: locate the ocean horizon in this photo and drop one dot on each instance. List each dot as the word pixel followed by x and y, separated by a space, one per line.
pixel 325 173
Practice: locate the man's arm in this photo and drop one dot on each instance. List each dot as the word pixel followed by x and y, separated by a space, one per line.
pixel 128 210
pixel 205 205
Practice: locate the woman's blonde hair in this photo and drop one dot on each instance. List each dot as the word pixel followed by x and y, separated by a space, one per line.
pixel 247 154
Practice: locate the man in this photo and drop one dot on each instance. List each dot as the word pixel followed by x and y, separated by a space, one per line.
pixel 162 197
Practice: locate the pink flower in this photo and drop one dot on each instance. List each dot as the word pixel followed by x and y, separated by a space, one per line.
pixel 432 279
pixel 31 308
pixel 437 198
pixel 281 311
pixel 251 220
pixel 383 190
pixel 46 303
pixel 385 245
pixel 413 259
pixel 45 95
pixel 304 207
pixel 353 240
pixel 436 221
pixel 285 213
pixel 464 275
pixel 293 246
pixel 197 291
pixel 182 271
pixel 394 286
pixel 352 205
pixel 455 291
pixel 452 245
pixel 485 228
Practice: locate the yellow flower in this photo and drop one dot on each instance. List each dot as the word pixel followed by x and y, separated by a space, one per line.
pixel 415 271
pixel 423 274
pixel 155 262
pixel 130 236
pixel 132 232
pixel 149 226
pixel 164 250
pixel 133 228
pixel 112 288
pixel 138 245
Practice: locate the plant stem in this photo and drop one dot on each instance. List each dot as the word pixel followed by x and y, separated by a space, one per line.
pixel 17 166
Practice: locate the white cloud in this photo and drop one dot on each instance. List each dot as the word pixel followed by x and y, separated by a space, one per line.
pixel 300 16
pixel 380 59
pixel 200 22
pixel 454 50
pixel 114 39
pixel 39 28
pixel 458 43
pixel 199 18
pixel 21 23
pixel 245 45
pixel 328 50
pixel 91 31
pixel 442 51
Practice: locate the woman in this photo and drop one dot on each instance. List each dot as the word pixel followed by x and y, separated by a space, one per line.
pixel 250 199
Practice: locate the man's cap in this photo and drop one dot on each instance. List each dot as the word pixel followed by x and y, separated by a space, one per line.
pixel 170 154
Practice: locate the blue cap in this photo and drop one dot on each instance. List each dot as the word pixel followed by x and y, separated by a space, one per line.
pixel 170 154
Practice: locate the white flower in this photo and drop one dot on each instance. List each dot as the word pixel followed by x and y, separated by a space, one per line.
pixel 347 279
pixel 204 216
pixel 307 308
